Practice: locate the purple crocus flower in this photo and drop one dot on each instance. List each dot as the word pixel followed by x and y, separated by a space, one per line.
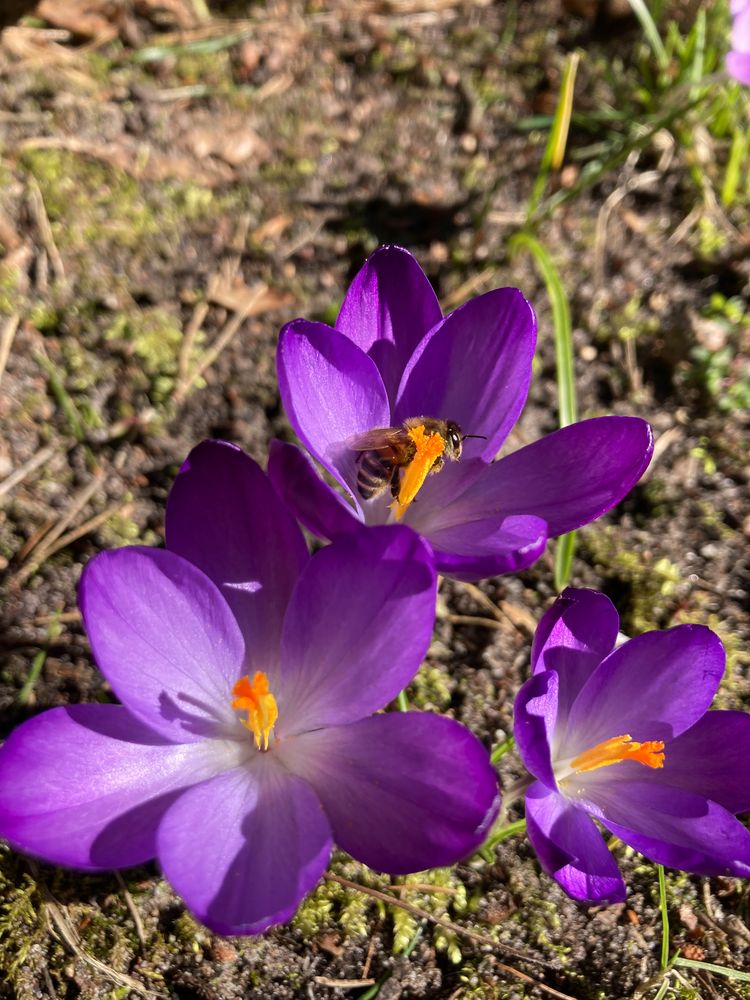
pixel 624 736
pixel 738 59
pixel 249 673
pixel 394 360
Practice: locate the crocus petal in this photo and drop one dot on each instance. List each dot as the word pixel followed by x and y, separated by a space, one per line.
pixel 534 718
pixel 738 66
pixel 670 825
pixel 322 511
pixel 389 307
pixel 86 785
pixel 474 368
pixel 711 759
pixel 358 625
pixel 225 517
pixel 243 848
pixel 741 29
pixel 404 791
pixel 331 391
pixel 164 638
pixel 479 549
pixel 571 849
pixel 573 637
pixel 568 478
pixel 653 687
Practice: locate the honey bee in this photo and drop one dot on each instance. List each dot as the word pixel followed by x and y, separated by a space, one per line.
pixel 418 448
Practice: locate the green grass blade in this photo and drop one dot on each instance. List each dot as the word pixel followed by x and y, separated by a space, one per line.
pixel 24 695
pixel 721 970
pixel 734 167
pixel 662 990
pixel 501 749
pixel 564 552
pixel 61 396
pixel 561 322
pixel 664 962
pixel 641 11
pixel 558 136
pixel 699 56
pixel 566 390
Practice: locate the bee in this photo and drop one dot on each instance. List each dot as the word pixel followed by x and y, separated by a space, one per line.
pixel 418 448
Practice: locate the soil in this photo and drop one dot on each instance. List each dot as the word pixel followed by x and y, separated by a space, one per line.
pixel 160 174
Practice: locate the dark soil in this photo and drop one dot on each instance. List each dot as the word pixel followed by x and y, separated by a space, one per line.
pixel 155 174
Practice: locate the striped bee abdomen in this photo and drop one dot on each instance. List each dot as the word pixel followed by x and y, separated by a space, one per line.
pixel 374 473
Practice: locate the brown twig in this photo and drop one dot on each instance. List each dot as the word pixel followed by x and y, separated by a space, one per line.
pixel 422 887
pixel 37 459
pixel 42 542
pixel 492 623
pixel 368 958
pixel 69 936
pixel 480 939
pixel 39 212
pixel 343 984
pixel 132 910
pixel 222 341
pixel 518 617
pixel 121 506
pixel 63 617
pixel 6 340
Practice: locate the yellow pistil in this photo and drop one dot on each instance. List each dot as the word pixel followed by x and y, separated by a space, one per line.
pixel 429 448
pixel 650 753
pixel 260 704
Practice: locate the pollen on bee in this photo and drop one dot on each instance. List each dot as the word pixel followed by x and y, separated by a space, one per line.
pixel 429 448
pixel 612 751
pixel 255 698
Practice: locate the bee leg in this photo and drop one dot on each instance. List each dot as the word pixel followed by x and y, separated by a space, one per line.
pixel 436 465
pixel 395 483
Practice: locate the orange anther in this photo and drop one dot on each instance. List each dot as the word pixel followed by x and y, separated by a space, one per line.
pixel 255 698
pixel 612 751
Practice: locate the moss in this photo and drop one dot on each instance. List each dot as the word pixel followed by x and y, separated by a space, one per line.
pixel 649 581
pixel 430 690
pixel 88 201
pixel 154 336
pixel 120 530
pixel 22 920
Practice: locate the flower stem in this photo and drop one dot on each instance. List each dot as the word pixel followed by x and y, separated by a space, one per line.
pixel 664 918
pixel 403 704
pixel 499 751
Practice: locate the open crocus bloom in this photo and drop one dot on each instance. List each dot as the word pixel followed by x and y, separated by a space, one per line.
pixel 249 673
pixel 738 59
pixel 624 736
pixel 394 358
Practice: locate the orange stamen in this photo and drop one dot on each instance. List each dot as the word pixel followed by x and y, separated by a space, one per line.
pixel 650 753
pixel 255 698
pixel 429 448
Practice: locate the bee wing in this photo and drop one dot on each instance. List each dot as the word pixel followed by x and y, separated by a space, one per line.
pixel 378 439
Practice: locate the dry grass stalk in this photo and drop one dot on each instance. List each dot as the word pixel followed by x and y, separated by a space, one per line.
pixel 10 326
pixel 39 213
pixel 226 336
pixel 42 542
pixel 37 459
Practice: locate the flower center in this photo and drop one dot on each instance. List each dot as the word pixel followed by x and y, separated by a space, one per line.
pixel 260 705
pixel 429 448
pixel 612 751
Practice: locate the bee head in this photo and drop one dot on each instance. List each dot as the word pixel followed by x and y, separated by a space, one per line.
pixel 454 441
